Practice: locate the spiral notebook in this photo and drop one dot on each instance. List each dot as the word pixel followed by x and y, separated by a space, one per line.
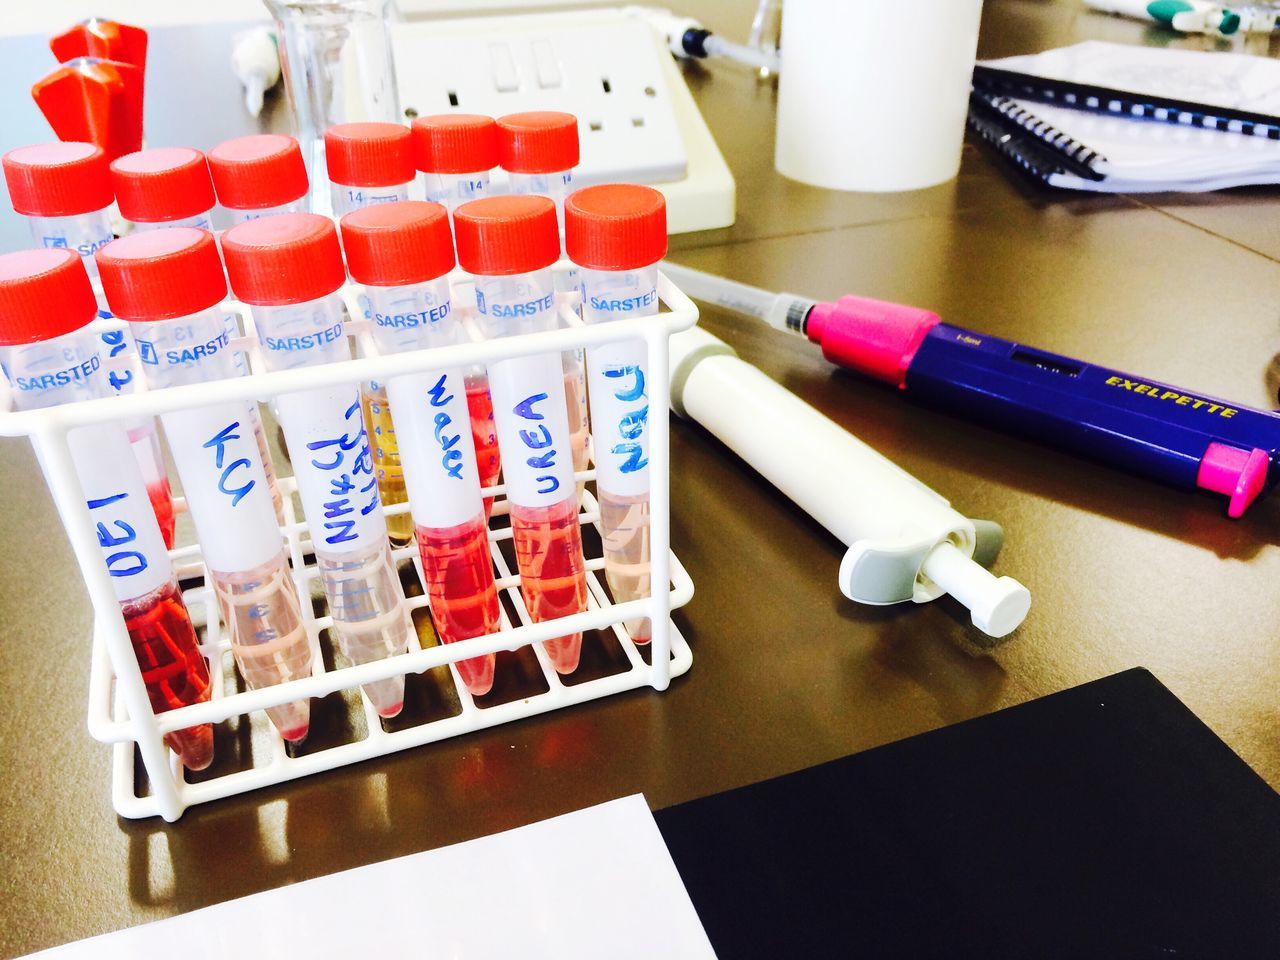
pixel 1120 119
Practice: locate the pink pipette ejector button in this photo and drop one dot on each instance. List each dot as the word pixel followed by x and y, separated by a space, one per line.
pixel 1240 474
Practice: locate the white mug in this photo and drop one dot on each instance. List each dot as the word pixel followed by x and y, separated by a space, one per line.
pixel 873 93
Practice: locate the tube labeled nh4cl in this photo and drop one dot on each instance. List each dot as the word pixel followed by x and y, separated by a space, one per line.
pixel 905 541
pixel 289 269
pixel 259 176
pixel 509 244
pixel 402 253
pixel 456 152
pixel 616 234
pixel 168 284
pixel 49 358
pixel 64 190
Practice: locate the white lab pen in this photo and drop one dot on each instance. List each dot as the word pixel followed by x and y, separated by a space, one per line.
pixel 169 284
pixel 616 234
pixel 905 541
pixel 1185 16
pixel 289 269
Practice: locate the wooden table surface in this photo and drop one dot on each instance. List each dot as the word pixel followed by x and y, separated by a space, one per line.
pixel 787 673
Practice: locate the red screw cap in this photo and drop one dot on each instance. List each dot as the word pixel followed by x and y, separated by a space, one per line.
pixel 369 154
pixel 162 184
pixel 455 143
pixel 43 294
pixel 392 244
pixel 57 179
pixel 615 226
pixel 501 236
pixel 538 142
pixel 254 173
pixel 162 274
pixel 291 258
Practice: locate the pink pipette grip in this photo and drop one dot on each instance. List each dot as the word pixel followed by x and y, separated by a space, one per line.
pixel 873 337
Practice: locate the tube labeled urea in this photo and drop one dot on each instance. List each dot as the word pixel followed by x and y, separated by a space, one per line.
pixel 368 163
pixel 508 244
pixel 164 187
pixel 50 357
pixel 402 253
pixel 168 284
pixel 616 234
pixel 455 152
pixel 259 176
pixel 64 191
pixel 539 150
pixel 289 269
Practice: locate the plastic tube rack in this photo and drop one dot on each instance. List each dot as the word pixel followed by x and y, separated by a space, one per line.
pixel 119 711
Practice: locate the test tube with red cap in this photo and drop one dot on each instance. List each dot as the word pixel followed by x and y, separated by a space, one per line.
pixel 368 163
pixel 64 189
pixel 616 234
pixel 509 244
pixel 169 284
pixel 456 152
pixel 402 253
pixel 259 176
pixel 164 187
pixel 539 150
pixel 50 357
pixel 289 269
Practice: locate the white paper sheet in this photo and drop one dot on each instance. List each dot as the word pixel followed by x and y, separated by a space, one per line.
pixel 595 883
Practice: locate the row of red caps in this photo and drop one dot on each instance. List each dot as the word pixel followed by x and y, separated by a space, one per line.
pixel 267 170
pixel 297 258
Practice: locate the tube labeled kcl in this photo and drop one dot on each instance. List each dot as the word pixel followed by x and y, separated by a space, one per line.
pixel 508 244
pixel 402 253
pixel 616 234
pixel 289 269
pixel 50 357
pixel 168 284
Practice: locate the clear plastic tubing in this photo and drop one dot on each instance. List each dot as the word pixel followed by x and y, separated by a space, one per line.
pixel 65 191
pixel 616 234
pixel 259 176
pixel 368 163
pixel 456 152
pixel 539 150
pixel 168 284
pixel 164 187
pixel 508 245
pixel 50 358
pixel 289 269
pixel 402 253
pixel 336 59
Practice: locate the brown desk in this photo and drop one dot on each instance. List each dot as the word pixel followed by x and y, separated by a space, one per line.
pixel 786 672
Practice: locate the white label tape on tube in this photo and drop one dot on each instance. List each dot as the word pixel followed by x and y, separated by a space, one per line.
pixel 433 428
pixel 217 456
pixel 121 513
pixel 533 429
pixel 619 393
pixel 324 431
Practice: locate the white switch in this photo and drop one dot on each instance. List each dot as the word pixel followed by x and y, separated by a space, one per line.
pixel 544 55
pixel 505 77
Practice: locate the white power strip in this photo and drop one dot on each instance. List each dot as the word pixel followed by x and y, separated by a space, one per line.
pixel 638 122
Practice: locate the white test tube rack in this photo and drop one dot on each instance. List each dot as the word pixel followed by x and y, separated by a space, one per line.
pixel 119 710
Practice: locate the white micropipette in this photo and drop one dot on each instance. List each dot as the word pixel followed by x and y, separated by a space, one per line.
pixel 905 541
